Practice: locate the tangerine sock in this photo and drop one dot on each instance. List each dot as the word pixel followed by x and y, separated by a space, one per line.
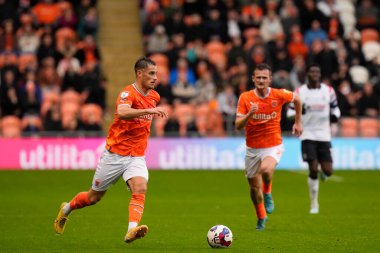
pixel 136 208
pixel 260 210
pixel 79 201
pixel 267 187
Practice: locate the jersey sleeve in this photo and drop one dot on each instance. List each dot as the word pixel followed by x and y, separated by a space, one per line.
pixel 287 95
pixel 241 109
pixel 125 98
pixel 334 109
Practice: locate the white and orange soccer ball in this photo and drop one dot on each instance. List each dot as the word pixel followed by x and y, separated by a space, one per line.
pixel 219 236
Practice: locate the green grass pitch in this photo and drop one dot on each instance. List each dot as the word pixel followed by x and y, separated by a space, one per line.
pixel 182 205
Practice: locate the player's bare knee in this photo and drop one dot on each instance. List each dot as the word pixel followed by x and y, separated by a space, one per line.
pixel 140 189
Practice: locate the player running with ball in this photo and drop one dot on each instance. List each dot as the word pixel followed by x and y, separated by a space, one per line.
pixel 124 152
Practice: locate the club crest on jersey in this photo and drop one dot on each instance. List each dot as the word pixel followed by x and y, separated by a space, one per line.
pixel 123 95
pixel 274 103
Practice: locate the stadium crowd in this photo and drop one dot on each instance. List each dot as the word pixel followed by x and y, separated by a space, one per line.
pixel 51 76
pixel 52 80
pixel 206 51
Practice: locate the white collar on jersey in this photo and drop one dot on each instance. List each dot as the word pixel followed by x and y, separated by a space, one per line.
pixel 134 85
pixel 265 96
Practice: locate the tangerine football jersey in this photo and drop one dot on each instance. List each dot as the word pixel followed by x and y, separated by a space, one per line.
pixel 130 137
pixel 263 129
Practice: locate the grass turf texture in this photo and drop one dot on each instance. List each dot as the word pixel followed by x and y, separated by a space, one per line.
pixel 182 205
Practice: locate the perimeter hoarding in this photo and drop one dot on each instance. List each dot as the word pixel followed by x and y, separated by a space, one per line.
pixel 175 153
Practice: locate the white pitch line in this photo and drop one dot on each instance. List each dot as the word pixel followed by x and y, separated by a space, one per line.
pixel 333 178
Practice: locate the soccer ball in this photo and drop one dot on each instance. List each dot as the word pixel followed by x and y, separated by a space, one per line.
pixel 219 236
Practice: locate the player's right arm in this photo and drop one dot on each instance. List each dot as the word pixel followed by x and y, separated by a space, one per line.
pixel 124 111
pixel 242 115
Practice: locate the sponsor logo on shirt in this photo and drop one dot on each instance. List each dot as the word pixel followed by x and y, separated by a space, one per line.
pixel 263 116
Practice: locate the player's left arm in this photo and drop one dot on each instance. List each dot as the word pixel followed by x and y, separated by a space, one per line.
pixel 334 109
pixel 297 126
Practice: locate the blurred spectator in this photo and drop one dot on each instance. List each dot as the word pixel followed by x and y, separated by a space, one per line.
pixel 165 90
pixel 88 25
pixel 227 101
pixel 194 27
pixel 309 13
pixel 326 58
pixel 174 23
pixel 297 47
pixel 52 120
pixel 47 48
pixel 369 102
pixel 289 15
pixel 236 52
pixel 31 95
pixel 315 33
pixel 280 57
pixel 93 89
pixel 271 27
pixel 68 19
pixel 48 77
pixel 68 62
pixel 82 8
pixel 10 97
pixel 182 89
pixel 158 41
pixel 72 80
pixel 233 28
pixel 88 51
pixel 346 99
pixel 215 26
pixel 182 68
pixel 205 88
pixel 7 10
pixel 297 75
pixel 368 15
pixel 8 40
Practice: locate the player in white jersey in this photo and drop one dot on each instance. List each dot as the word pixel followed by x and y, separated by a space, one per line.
pixel 320 108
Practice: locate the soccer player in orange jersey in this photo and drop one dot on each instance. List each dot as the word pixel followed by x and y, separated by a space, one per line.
pixel 259 112
pixel 124 152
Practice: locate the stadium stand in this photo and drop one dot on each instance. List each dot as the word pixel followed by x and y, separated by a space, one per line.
pixel 50 65
pixel 227 38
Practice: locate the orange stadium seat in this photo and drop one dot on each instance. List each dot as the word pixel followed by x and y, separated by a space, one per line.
pixel 201 118
pixel 369 35
pixel 70 96
pixel 160 122
pixel 369 127
pixel 48 99
pixel 26 60
pixel 349 127
pixel 160 59
pixel 69 110
pixel 218 59
pixel 10 127
pixel 215 47
pixel 63 34
pixel 185 115
pixel 8 58
pixel 89 110
pixel 31 120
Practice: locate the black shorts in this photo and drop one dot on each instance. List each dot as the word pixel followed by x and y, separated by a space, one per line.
pixel 316 150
